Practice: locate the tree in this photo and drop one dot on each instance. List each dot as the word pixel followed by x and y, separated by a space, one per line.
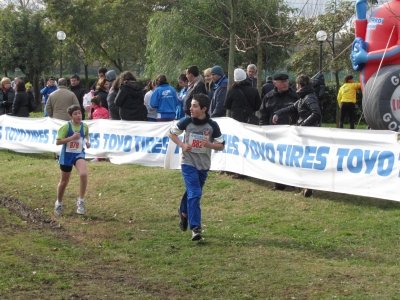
pixel 27 44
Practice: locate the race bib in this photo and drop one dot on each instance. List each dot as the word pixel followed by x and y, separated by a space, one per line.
pixel 75 146
pixel 195 141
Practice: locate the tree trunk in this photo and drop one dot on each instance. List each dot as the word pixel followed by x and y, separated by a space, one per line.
pixel 259 63
pixel 337 106
pixel 232 33
pixel 86 78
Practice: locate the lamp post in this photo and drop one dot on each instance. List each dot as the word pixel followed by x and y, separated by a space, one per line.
pixel 321 37
pixel 61 36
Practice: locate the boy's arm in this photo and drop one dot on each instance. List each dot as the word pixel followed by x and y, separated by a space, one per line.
pixel 176 140
pixel 87 141
pixel 215 146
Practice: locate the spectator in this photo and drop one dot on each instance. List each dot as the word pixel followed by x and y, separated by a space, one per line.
pixel 110 76
pixel 347 98
pixel 21 101
pixel 281 96
pixel 130 99
pixel 208 82
pixel 46 91
pixel 99 112
pixel 101 73
pixel 267 87
pixel 60 100
pixel 78 90
pixel 306 107
pixel 112 108
pixel 242 99
pixel 7 95
pixel 196 86
pixel 319 89
pixel 251 73
pixel 217 108
pixel 151 112
pixel 102 91
pixel 164 99
pixel 183 84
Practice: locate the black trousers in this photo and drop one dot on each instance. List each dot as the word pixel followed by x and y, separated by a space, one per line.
pixel 348 108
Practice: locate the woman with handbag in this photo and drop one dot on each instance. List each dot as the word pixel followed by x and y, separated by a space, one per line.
pixel 243 101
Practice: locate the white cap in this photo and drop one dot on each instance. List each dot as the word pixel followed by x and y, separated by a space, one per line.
pixel 239 75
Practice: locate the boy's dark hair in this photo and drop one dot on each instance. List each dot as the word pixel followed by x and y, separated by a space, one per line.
pixel 194 70
pixel 102 70
pixel 303 80
pixel 72 108
pixel 183 77
pixel 76 76
pixel 203 99
pixel 52 78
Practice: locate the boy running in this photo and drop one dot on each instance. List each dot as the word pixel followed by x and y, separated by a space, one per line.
pixel 72 135
pixel 201 136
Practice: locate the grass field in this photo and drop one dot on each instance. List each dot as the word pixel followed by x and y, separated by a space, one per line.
pixel 257 244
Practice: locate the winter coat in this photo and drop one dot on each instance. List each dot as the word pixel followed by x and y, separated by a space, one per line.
pixel 79 92
pixel 217 108
pixel 199 88
pixel 274 101
pixel 266 88
pixel 130 101
pixel 6 101
pixel 59 101
pixel 20 105
pixel 307 108
pixel 112 108
pixel 236 103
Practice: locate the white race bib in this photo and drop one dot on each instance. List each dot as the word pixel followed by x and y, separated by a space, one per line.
pixel 195 142
pixel 75 146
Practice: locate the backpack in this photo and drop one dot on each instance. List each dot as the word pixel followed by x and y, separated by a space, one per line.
pixel 31 102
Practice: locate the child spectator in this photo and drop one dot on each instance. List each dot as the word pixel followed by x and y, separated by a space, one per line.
pixel 72 135
pixel 99 112
pixel 201 136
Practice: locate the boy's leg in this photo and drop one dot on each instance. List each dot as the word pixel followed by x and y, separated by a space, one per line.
pixel 80 165
pixel 62 185
pixel 194 181
pixel 183 207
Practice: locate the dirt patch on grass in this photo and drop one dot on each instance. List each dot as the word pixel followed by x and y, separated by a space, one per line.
pixel 24 211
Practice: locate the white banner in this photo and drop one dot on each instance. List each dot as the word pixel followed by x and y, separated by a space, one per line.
pixel 355 162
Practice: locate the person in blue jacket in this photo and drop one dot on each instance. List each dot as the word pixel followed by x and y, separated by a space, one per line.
pixel 46 91
pixel 164 99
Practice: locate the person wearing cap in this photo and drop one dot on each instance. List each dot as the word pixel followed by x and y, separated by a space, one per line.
pixel 251 73
pixel 280 97
pixel 46 91
pixel 306 107
pixel 217 108
pixel 267 87
pixel 347 98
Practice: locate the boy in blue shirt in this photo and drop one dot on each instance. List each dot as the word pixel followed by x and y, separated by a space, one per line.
pixel 72 135
pixel 201 136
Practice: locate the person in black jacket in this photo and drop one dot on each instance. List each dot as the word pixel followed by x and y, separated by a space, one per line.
pixel 306 107
pixel 112 108
pixel 241 96
pixel 7 95
pixel 130 99
pixel 267 87
pixel 78 90
pixel 21 100
pixel 102 91
pixel 196 86
pixel 281 96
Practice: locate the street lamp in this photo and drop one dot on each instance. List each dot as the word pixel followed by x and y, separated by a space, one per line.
pixel 321 37
pixel 61 36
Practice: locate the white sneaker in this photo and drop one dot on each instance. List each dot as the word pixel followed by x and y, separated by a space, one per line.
pixel 58 210
pixel 81 208
pixel 94 160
